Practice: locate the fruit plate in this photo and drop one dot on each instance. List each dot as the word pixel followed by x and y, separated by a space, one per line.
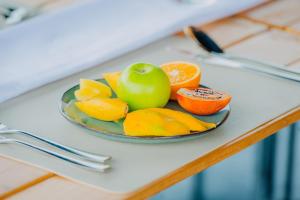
pixel 114 130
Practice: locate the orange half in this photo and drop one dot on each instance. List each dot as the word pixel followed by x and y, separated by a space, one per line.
pixel 182 75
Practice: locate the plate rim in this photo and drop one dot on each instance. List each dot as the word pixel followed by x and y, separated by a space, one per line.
pixel 137 139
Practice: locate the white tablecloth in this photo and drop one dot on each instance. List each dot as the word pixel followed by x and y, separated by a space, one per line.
pixel 57 44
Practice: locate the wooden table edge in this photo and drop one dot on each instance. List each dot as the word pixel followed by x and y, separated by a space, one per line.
pixel 249 138
pixel 27 185
pixel 230 148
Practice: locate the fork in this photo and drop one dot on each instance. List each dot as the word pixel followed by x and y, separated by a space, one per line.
pixel 86 155
pixel 87 164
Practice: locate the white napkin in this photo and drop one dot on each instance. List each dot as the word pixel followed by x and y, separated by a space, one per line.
pixel 55 45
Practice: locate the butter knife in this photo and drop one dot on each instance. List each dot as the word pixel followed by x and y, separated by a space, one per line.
pixel 216 56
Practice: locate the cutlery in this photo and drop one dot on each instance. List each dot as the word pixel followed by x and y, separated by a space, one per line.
pixel 87 164
pixel 216 56
pixel 86 155
pixel 202 39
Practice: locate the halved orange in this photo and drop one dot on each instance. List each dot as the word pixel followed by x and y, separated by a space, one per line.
pixel 182 75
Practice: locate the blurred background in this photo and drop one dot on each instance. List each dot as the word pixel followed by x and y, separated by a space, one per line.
pixel 267 170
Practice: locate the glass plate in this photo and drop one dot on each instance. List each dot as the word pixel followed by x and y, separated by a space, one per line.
pixel 114 130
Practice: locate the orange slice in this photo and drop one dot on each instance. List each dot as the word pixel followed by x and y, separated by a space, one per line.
pixel 182 75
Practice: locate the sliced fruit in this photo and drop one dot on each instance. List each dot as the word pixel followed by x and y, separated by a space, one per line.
pixel 90 88
pixel 149 123
pixel 73 112
pixel 105 109
pixel 202 101
pixel 182 75
pixel 112 79
pixel 86 94
pixel 187 119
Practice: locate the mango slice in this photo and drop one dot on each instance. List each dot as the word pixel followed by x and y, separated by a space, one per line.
pixel 149 123
pixel 105 109
pixel 187 119
pixel 90 89
pixel 112 79
pixel 86 94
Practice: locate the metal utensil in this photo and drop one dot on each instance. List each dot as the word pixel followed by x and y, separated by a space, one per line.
pixel 86 155
pixel 202 39
pixel 237 62
pixel 90 165
pixel 217 56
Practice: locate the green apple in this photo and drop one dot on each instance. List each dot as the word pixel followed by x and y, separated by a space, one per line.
pixel 144 85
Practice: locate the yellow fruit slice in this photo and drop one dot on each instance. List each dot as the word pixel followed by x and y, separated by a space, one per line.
pixel 104 90
pixel 187 119
pixel 105 109
pixel 112 79
pixel 90 89
pixel 182 75
pixel 86 94
pixel 149 123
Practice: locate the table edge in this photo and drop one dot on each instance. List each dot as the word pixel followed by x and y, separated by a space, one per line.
pixel 226 150
pixel 213 157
